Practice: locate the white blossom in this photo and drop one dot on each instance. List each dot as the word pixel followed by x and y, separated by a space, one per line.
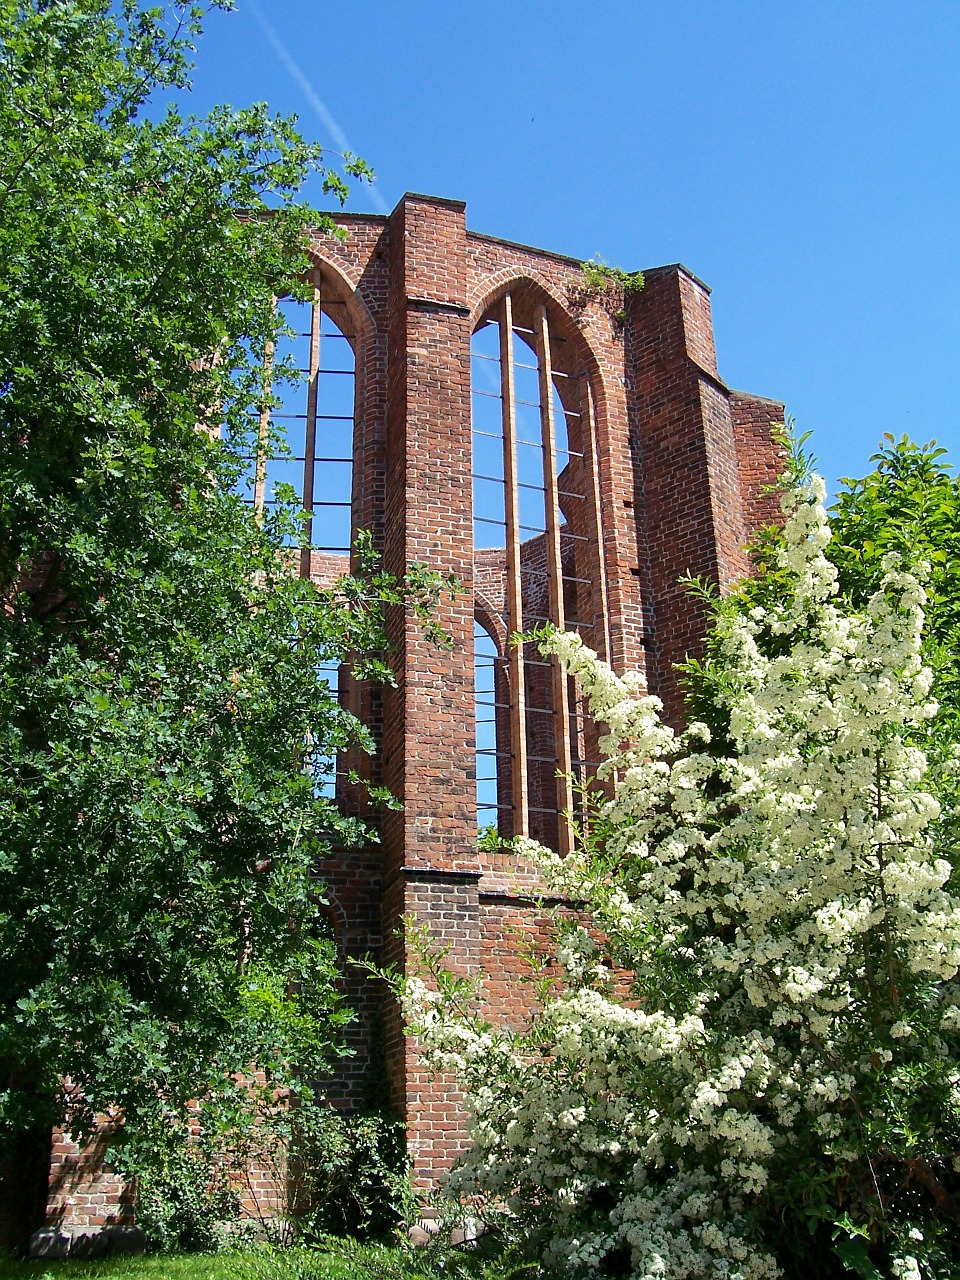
pixel 796 886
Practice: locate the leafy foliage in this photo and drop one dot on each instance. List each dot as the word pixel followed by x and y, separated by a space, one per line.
pixel 602 277
pixel 909 504
pixel 352 1173
pixel 185 1200
pixel 167 727
pixel 747 1065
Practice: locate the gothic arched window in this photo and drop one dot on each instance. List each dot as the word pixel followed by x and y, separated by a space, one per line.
pixel 304 448
pixel 537 542
pixel 305 438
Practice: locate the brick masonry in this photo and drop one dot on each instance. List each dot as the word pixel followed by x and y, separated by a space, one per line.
pixel 681 463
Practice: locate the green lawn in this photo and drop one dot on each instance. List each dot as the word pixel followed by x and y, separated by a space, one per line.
pixel 291 1265
pixel 356 1262
pixel 221 1267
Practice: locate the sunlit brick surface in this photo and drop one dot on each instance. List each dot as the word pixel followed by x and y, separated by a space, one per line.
pixel 675 469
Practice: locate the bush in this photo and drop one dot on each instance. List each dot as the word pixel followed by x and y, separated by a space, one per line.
pixel 303 1171
pixel 185 1201
pixel 779 1092
pixel 349 1173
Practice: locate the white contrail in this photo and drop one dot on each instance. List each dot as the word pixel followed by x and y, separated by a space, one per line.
pixel 336 134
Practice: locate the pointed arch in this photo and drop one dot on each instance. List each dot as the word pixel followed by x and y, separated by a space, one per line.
pixel 574 351
pixel 490 618
pixel 537 516
pixel 306 435
pixel 340 290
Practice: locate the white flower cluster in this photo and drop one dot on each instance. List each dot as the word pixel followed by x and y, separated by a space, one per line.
pixel 789 922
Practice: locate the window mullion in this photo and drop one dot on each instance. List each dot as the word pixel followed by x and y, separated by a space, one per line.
pixel 518 717
pixel 310 427
pixel 561 697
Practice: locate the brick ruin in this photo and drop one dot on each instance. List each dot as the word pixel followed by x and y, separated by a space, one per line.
pixel 570 455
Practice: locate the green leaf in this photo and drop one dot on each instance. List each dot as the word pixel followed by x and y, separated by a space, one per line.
pixel 854 1256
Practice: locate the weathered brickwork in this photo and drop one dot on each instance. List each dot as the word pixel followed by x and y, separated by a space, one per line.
pixel 680 463
pixel 673 471
pixel 83 1192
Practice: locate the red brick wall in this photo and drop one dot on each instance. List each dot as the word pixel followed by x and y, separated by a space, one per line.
pixel 83 1193
pixel 680 461
pixel 689 485
pixel 757 427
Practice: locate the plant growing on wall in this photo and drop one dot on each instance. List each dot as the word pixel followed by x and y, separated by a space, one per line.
pixel 778 1091
pixel 602 277
pixel 610 286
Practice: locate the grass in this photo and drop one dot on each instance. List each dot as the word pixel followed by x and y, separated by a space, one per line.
pixel 224 1266
pixel 356 1262
pixel 184 1267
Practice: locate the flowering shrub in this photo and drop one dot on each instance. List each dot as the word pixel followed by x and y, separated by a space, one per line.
pixel 780 1092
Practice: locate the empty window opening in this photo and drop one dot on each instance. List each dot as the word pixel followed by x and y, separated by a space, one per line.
pixel 490 701
pixel 324 766
pixel 304 447
pixel 303 453
pixel 537 550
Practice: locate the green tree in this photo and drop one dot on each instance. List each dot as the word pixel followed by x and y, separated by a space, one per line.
pixel 166 724
pixel 909 503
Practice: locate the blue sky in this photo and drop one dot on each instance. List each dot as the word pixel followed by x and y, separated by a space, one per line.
pixel 802 159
